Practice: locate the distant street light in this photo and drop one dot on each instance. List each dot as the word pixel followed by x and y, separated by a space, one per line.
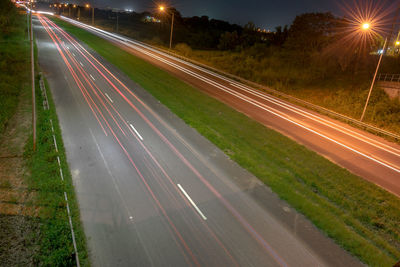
pixel 88 6
pixel 162 9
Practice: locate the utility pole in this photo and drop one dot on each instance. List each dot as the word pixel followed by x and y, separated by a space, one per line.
pixel 33 83
pixel 79 12
pixel 27 23
pixel 117 22
pixel 93 16
pixel 172 29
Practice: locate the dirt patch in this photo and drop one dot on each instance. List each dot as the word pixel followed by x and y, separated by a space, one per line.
pixel 19 225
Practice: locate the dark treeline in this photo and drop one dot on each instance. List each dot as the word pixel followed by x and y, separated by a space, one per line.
pixel 197 32
pixel 313 39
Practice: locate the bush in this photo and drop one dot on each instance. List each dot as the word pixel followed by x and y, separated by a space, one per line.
pixel 184 49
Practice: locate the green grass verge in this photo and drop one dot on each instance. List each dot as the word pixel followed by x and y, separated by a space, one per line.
pixel 14 66
pixel 359 216
pixel 56 247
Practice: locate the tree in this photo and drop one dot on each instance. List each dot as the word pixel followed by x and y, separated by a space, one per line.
pixel 310 32
pixel 228 40
pixel 279 37
pixel 249 35
pixel 7 15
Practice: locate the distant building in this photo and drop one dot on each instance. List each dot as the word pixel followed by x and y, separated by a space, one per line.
pixel 150 19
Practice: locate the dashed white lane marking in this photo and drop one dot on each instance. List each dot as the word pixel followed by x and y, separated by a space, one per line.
pixel 109 98
pixel 91 76
pixel 137 133
pixel 73 54
pixel 55 143
pixel 192 202
pixel 81 63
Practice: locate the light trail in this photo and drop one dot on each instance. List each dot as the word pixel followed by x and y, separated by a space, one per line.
pixel 268 248
pixel 230 91
pixel 173 227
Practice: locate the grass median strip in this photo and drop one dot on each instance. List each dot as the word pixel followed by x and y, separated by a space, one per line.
pixel 358 215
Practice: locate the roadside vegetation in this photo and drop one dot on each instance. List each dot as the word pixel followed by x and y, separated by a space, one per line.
pixel 19 227
pixel 318 58
pixel 56 247
pixel 14 60
pixel 359 216
pixel 34 227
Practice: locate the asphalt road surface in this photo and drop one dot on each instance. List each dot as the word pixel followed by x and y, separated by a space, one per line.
pixel 364 154
pixel 151 190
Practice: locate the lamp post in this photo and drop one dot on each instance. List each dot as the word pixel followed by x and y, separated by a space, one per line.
pixel 33 79
pixel 162 9
pixel 366 27
pixel 88 6
pixel 373 80
pixel 117 21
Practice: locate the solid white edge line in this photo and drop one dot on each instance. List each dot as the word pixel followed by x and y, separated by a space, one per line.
pixel 72 231
pixel 218 86
pixel 109 98
pixel 91 76
pixel 133 128
pixel 192 202
pixel 320 120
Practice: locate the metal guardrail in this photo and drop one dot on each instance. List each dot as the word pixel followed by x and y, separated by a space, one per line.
pixel 385 77
pixel 322 110
pixel 301 102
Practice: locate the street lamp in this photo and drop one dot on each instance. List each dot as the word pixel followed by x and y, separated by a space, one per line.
pixel 366 27
pixel 162 9
pixel 88 6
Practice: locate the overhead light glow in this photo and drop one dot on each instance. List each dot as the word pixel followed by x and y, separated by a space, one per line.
pixel 366 26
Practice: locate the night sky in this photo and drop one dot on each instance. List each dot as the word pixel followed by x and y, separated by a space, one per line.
pixel 264 13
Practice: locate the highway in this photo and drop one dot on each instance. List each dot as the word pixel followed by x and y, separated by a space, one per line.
pixel 151 190
pixel 364 154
